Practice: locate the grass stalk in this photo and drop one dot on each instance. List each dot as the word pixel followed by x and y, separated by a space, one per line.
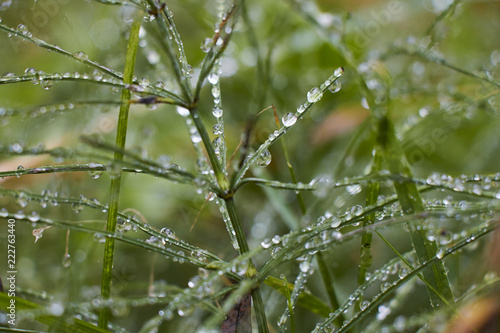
pixel 260 310
pixel 327 278
pixel 411 203
pixel 366 257
pixel 216 165
pixel 114 193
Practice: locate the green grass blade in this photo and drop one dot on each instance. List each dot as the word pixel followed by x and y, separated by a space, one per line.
pixel 63 323
pixel 115 182
pixel 366 257
pixel 305 300
pixel 411 203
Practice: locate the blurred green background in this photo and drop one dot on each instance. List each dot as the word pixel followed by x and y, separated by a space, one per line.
pixel 447 122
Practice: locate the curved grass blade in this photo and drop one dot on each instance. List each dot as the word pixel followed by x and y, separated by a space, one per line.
pixel 42 315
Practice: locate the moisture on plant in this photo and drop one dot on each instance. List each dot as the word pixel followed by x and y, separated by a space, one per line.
pixel 249 166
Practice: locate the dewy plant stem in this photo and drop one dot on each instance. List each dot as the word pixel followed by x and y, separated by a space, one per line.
pixel 114 193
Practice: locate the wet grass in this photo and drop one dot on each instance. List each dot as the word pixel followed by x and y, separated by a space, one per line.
pixel 170 206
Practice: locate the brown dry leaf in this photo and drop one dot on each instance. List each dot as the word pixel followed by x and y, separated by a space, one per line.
pixel 239 319
pixel 338 123
pixel 30 161
pixel 480 316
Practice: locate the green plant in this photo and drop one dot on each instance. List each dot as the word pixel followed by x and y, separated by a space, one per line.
pixel 340 236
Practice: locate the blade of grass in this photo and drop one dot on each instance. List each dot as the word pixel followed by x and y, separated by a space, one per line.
pixel 366 240
pixel 170 36
pixel 114 194
pixel 411 203
pixel 42 315
pixel 306 300
pixel 259 307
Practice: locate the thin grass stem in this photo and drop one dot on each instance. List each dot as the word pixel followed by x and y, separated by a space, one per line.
pixel 114 195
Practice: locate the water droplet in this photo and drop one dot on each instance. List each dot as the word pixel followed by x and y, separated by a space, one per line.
pixel 188 71
pixel 30 71
pixel 219 43
pixel 264 159
pixel 182 111
pixel 339 72
pixel 114 170
pixel 440 254
pixel 301 108
pixel 353 189
pixel 144 82
pixel 335 87
pixel 34 216
pixel 364 103
pixel 276 239
pixel 46 84
pixel 56 309
pixel 304 266
pixel 22 199
pixel 194 281
pixel 4 5
pixel 16 148
pixel 385 286
pixel 337 235
pixel 215 91
pixel 81 55
pixel 289 119
pixel 383 312
pixel 207 44
pixel 95 174
pixel 336 222
pixel 153 57
pixel 8 75
pixel 403 272
pixel 168 232
pixel 4 212
pixel 213 78
pixel 266 243
pixel 218 129
pixel 196 138
pixel 185 310
pixel 24 30
pixel 19 215
pixel 100 238
pixel 217 142
pixel 282 320
pixel 364 305
pixel 217 111
pixel 66 260
pixel 314 95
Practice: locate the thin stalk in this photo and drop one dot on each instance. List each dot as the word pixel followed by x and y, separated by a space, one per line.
pixel 431 30
pixel 238 228
pixel 262 78
pixel 290 306
pixel 323 267
pixel 411 203
pixel 300 199
pixel 260 311
pixel 258 303
pixel 169 38
pixel 420 276
pixel 220 175
pixel 329 286
pixel 366 240
pixel 114 193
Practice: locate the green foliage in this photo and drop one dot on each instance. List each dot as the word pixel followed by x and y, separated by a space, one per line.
pixel 134 193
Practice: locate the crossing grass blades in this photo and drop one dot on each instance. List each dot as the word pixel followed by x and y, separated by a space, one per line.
pixel 169 206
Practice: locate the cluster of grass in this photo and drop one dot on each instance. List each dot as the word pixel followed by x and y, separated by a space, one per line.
pixel 150 192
